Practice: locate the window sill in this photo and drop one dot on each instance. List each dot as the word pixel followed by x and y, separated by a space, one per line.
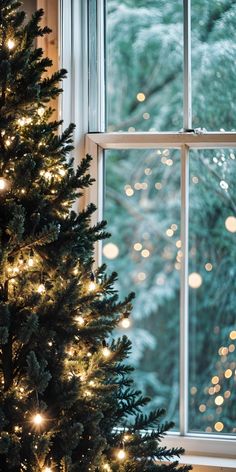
pixel 205 452
pixel 212 462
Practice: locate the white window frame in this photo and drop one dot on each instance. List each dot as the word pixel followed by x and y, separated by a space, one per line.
pixel 83 103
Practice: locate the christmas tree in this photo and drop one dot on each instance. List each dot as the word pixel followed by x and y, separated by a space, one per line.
pixel 66 396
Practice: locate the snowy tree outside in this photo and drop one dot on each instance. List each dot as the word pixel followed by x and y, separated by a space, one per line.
pixel 142 204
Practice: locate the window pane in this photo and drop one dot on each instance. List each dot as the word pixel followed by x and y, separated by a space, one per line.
pixel 212 281
pixel 144 65
pixel 214 64
pixel 142 206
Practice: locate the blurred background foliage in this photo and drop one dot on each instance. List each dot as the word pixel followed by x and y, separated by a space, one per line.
pixel 142 205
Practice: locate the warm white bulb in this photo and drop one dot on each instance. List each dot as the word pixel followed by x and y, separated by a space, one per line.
pixel 125 323
pixel 195 280
pixel 230 224
pixel 41 111
pixel 41 288
pixel 30 262
pixel 106 352
pixel 79 320
pixel 10 44
pixel 62 172
pixel 47 175
pixel 47 469
pixel 121 454
pixel 3 184
pixel 92 286
pixel 38 419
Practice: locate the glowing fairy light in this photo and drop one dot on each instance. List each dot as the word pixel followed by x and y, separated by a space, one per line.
pixel 3 184
pixel 10 44
pixel 106 352
pixel 129 192
pixel 138 246
pixel 140 97
pixel 145 253
pixel 195 280
pixel 111 251
pixel 202 408
pixel 219 426
pixel 106 468
pixel 80 320
pixel 228 373
pixel 41 289
pixel 41 111
pixel 62 172
pixel 31 262
pixel 224 185
pixel 219 400
pixel 215 379
pixel 169 232
pixel 121 454
pixel 230 224
pixel 38 419
pixel 92 286
pixel 125 322
pixel 47 469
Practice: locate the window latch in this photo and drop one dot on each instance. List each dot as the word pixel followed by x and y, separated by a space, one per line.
pixel 194 130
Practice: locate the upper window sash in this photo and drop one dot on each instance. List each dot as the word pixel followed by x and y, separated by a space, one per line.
pixel 147 140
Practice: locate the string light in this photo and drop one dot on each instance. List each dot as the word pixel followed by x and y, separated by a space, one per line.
pixel 107 468
pixel 140 97
pixel 230 224
pixel 47 469
pixel 31 260
pixel 38 419
pixel 105 351
pixel 219 426
pixel 62 172
pixel 219 400
pixel 121 454
pixel 92 286
pixel 4 184
pixel 41 288
pixel 41 111
pixel 125 322
pixel 195 280
pixel 138 246
pixel 145 253
pixel 79 320
pixel 10 44
pixel 111 251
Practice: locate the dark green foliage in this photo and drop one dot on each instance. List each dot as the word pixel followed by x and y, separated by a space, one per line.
pixel 66 395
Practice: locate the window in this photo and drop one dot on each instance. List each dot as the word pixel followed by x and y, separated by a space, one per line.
pixel 165 169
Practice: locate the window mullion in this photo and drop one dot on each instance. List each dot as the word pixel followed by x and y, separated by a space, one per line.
pixel 96 65
pixel 187 66
pixel 184 345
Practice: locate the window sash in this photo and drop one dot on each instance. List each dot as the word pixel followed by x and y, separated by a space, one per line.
pixel 96 143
